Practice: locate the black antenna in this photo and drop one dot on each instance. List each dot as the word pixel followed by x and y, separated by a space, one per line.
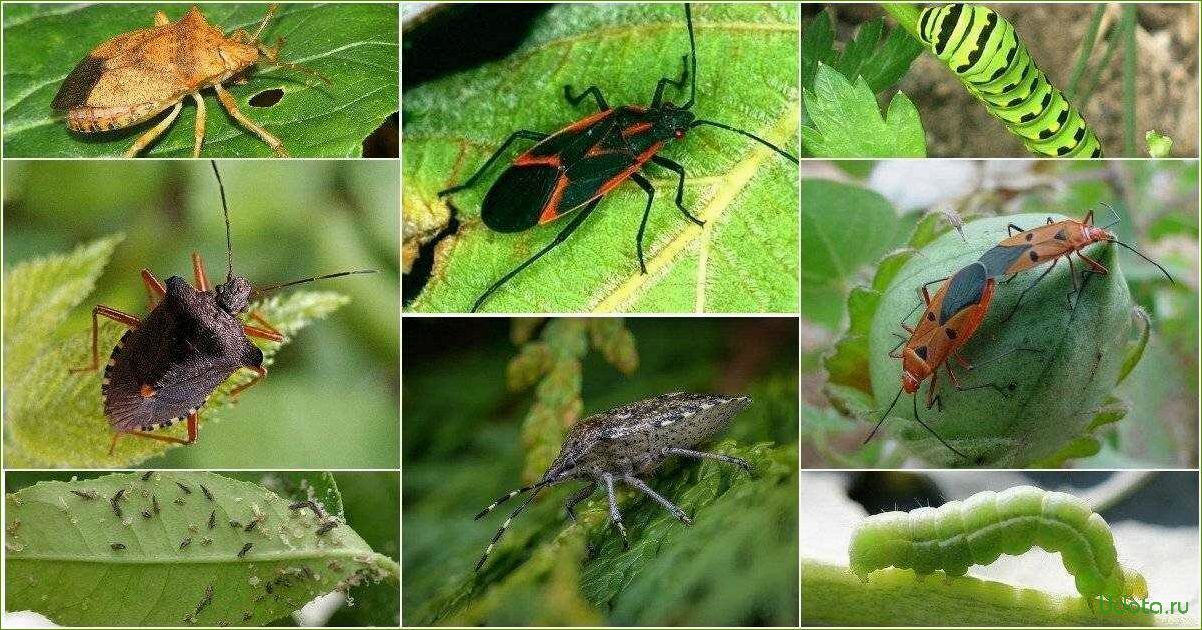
pixel 311 279
pixel 1137 253
pixel 884 415
pixel 688 16
pixel 788 156
pixel 229 249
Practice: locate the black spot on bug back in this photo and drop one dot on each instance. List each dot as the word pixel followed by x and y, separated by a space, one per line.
pixel 78 85
pixel 921 351
pixel 1061 235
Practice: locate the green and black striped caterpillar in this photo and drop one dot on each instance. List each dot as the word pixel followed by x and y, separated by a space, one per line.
pixel 982 49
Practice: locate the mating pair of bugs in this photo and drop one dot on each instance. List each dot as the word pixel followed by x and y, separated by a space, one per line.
pixel 952 316
pixel 168 363
pixel 573 169
pixel 135 76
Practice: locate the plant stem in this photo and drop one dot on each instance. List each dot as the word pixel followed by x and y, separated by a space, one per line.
pixel 905 14
pixel 1087 92
pixel 1086 50
pixel 1127 27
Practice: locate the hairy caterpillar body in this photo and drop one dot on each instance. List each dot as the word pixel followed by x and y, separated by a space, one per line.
pixel 982 49
pixel 959 534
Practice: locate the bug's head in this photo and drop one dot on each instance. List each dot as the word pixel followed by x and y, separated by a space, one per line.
pixel 673 122
pixel 233 295
pixel 910 381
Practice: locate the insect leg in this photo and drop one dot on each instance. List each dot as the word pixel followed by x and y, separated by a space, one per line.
pixel 614 514
pixel 260 374
pixel 520 134
pixel 231 106
pixel 1028 288
pixel 505 525
pixel 154 289
pixel 559 238
pixel 684 452
pixel 1011 229
pixel 198 273
pixel 199 127
pixel 932 432
pixel 145 139
pixel 679 170
pixel 192 430
pixel 639 485
pixel 574 99
pixel 113 314
pixel 264 330
pixel 638 239
pixel 665 82
pixel 576 497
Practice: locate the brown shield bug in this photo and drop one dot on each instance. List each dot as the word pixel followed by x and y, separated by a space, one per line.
pixel 133 77
pixel 627 442
pixel 168 363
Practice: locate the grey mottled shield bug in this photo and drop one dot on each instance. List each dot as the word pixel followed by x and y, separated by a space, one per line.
pixel 627 442
pixel 167 364
pixel 135 76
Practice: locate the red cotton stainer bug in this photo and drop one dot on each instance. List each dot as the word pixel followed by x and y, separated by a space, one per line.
pixel 572 169
pixel 168 363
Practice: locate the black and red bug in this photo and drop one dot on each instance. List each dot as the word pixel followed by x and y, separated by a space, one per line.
pixel 168 363
pixel 572 169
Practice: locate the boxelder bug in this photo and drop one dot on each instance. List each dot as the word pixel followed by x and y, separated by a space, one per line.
pixel 949 320
pixel 167 364
pixel 573 168
pixel 1051 242
pixel 627 441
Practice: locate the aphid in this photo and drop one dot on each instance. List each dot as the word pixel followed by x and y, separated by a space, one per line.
pixel 146 514
pixel 212 519
pixel 959 534
pixel 206 541
pixel 154 503
pixel 146 475
pixel 205 600
pixel 627 441
pixel 1025 249
pixel 235 524
pixel 300 505
pixel 178 500
pixel 326 527
pixel 186 489
pixel 572 169
pixel 165 367
pixel 117 546
pixel 245 548
pixel 90 495
pixel 246 615
pixel 115 503
pixel 135 76
pixel 250 527
pixel 208 495
pixel 267 587
pixel 185 542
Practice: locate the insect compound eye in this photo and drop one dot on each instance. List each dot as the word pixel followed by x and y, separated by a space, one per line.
pixel 679 133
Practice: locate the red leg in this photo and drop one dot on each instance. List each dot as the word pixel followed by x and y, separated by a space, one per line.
pixel 931 397
pixel 1088 220
pixel 154 289
pixel 192 430
pixel 260 374
pixel 113 314
pixel 1095 265
pixel 198 273
pixel 264 330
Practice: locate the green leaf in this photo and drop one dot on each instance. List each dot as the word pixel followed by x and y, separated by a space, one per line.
pixel 881 64
pixel 743 260
pixel 354 45
pixel 846 121
pixel 1159 145
pixel 60 551
pixel 54 417
pixel 834 216
pixel 1062 364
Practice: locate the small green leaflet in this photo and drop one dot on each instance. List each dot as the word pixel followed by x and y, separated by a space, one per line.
pixel 845 120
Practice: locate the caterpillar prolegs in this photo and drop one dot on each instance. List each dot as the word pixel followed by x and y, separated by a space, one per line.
pixel 959 534
pixel 982 49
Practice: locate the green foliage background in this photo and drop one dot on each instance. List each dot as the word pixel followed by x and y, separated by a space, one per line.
pixel 464 446
pixel 289 220
pixel 354 45
pixel 1159 217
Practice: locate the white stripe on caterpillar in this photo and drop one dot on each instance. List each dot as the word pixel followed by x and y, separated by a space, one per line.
pixel 959 534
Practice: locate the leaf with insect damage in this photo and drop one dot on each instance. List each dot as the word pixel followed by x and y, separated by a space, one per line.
pixel 1058 365
pixel 66 538
pixel 353 44
pixel 743 260
pixel 55 418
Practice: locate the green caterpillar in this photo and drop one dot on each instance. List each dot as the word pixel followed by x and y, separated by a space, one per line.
pixel 959 534
pixel 983 50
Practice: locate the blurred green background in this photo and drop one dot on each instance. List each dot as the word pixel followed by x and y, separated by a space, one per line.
pixel 467 439
pixel 289 219
pixel 877 205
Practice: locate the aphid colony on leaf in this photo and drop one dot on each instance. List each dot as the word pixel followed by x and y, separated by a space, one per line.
pixel 627 442
pixel 135 76
pixel 952 316
pixel 959 534
pixel 168 363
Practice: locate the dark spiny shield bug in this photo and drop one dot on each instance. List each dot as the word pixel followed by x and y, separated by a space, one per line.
pixel 627 442
pixel 167 364
pixel 135 76
pixel 572 169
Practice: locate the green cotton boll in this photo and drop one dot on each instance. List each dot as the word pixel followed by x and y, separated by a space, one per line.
pixel 1055 365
